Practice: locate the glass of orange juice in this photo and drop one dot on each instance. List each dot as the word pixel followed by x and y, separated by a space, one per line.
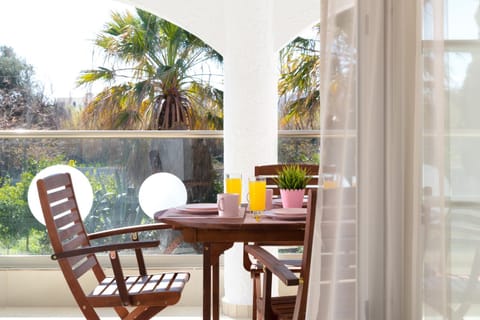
pixel 256 195
pixel 233 184
pixel 329 181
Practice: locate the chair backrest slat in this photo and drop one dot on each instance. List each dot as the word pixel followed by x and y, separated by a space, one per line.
pixel 65 220
pixel 301 301
pixel 75 242
pixel 80 269
pixel 338 246
pixel 66 230
pixel 59 180
pixel 70 232
pixel 63 208
pixel 60 194
pixel 270 172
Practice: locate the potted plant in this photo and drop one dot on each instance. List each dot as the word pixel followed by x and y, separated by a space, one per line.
pixel 292 181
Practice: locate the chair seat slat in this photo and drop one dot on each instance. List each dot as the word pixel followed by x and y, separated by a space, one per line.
pixel 141 285
pixel 152 283
pixel 99 289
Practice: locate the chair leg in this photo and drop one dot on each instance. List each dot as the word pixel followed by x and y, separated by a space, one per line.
pixel 143 313
pixel 266 307
pixel 256 294
pixel 121 311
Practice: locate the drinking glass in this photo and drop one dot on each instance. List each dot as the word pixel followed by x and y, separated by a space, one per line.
pixel 329 181
pixel 233 183
pixel 256 195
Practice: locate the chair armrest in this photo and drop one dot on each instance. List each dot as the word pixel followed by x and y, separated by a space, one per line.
pixel 293 264
pixel 105 248
pixel 273 264
pixel 128 229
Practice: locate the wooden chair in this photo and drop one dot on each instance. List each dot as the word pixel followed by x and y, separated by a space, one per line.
pixel 338 260
pixel 270 171
pixel 145 295
pixel 289 307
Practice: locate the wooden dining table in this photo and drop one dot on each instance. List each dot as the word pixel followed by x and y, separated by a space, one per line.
pixel 218 234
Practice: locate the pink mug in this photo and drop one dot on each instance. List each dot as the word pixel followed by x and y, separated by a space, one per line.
pixel 228 204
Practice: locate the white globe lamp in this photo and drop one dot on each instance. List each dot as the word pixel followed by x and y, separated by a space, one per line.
pixel 81 185
pixel 161 191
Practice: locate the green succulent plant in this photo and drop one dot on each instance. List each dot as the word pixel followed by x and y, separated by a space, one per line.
pixel 292 177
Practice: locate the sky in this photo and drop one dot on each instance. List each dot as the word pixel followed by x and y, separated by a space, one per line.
pixel 55 37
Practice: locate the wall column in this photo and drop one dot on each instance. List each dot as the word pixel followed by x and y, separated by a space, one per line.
pixel 250 116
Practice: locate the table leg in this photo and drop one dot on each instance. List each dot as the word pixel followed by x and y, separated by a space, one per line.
pixel 207 294
pixel 216 291
pixel 211 278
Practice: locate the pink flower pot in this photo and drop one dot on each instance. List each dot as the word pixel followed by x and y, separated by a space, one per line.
pixel 292 198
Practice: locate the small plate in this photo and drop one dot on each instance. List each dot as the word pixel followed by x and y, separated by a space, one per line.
pixel 278 202
pixel 289 211
pixel 295 216
pixel 200 208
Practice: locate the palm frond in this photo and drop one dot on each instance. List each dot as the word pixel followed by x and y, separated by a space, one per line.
pixel 154 62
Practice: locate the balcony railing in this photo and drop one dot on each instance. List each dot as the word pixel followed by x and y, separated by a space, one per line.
pixel 116 163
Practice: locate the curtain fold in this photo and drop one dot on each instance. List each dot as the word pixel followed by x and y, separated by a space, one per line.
pixel 334 273
pixel 434 223
pixel 404 131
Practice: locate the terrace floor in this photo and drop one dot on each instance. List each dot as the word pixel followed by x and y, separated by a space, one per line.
pixel 170 313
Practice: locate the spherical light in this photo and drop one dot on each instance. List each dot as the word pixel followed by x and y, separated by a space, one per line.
pixel 161 191
pixel 81 185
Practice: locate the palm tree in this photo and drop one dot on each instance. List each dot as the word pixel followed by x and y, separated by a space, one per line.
pixel 154 80
pixel 298 86
pixel 156 76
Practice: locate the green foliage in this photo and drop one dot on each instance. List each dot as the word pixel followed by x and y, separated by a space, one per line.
pixel 158 77
pixel 19 230
pixel 14 72
pixel 17 224
pixel 298 86
pixel 22 101
pixel 114 205
pixel 299 150
pixel 292 177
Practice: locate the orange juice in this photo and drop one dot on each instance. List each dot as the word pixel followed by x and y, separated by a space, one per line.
pixel 329 181
pixel 256 194
pixel 234 185
pixel 329 184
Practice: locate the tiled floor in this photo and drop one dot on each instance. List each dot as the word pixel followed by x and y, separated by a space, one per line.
pixel 171 313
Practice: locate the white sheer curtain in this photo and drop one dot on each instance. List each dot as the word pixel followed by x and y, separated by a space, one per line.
pixel 400 103
pixel 370 131
pixel 451 170
pixel 333 285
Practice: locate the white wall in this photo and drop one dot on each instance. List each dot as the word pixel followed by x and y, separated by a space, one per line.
pixel 207 19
